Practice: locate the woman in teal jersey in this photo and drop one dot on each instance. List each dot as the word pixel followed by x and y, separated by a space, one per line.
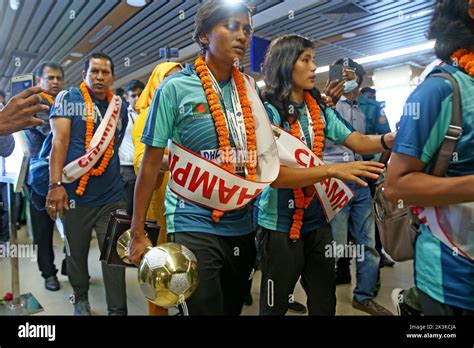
pixel 289 250
pixel 444 272
pixel 180 111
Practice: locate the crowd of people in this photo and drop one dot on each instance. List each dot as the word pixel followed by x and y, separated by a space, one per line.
pixel 111 154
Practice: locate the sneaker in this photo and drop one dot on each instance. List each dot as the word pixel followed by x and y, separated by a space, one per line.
pixel 371 307
pixel 248 300
pixel 52 283
pixel 385 261
pixel 82 308
pixel 297 307
pixel 400 306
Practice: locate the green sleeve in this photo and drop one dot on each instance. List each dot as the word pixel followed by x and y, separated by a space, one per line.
pixel 335 129
pixel 161 118
pixel 273 114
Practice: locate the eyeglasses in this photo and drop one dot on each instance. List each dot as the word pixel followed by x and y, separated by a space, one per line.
pixel 235 26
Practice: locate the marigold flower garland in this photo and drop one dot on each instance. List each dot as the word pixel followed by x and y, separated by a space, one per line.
pixel 90 122
pixel 47 97
pixel 464 59
pixel 221 126
pixel 304 196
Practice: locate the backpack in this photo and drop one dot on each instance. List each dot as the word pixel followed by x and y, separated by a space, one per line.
pixel 398 226
pixel 38 173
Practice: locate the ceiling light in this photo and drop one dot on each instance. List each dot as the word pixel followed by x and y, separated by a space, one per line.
pixel 14 4
pixel 136 3
pixel 349 35
pixel 67 62
pixel 386 55
pixel 76 54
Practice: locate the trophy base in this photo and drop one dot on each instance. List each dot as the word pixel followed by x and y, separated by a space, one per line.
pixel 28 305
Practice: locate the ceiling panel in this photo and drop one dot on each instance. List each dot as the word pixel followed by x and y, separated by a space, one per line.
pixel 43 30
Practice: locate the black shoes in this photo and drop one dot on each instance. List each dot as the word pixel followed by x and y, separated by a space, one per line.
pixel 385 261
pixel 52 283
pixel 296 307
pixel 402 308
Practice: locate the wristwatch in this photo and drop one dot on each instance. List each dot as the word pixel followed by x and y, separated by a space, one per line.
pixel 55 184
pixel 384 144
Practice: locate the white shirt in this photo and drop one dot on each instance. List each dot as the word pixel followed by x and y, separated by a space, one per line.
pixel 126 150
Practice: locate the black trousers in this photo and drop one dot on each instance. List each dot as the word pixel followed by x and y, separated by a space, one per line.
pixel 224 265
pixel 284 261
pixel 43 230
pixel 128 181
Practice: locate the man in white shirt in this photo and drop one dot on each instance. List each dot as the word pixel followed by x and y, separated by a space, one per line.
pixel 133 90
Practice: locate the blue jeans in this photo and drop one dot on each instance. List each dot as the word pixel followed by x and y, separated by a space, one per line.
pixel 358 216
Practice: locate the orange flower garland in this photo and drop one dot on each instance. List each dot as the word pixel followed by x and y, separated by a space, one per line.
pixel 304 196
pixel 251 163
pixel 221 126
pixel 464 59
pixel 47 97
pixel 90 122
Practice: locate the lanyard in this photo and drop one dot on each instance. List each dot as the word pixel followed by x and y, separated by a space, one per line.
pixel 310 129
pixel 235 121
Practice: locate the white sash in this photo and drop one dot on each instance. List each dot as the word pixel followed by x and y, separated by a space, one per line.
pixel 333 194
pixel 453 225
pixel 204 182
pixel 99 143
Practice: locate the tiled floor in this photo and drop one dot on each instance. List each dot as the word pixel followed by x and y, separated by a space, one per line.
pixel 57 303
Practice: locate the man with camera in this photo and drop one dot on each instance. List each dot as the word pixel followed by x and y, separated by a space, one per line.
pixel 84 154
pixel 357 215
pixel 16 115
pixel 20 111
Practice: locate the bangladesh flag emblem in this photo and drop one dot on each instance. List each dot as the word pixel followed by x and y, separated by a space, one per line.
pixel 201 109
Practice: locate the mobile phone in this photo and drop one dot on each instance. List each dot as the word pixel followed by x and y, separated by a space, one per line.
pixel 335 72
pixel 21 82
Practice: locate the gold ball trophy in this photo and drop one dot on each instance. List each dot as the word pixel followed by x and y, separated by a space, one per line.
pixel 167 274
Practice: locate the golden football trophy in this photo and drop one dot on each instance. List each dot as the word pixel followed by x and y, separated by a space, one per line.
pixel 122 246
pixel 168 274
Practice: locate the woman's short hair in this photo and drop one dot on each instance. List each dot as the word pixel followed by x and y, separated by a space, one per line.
pixel 212 12
pixel 451 27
